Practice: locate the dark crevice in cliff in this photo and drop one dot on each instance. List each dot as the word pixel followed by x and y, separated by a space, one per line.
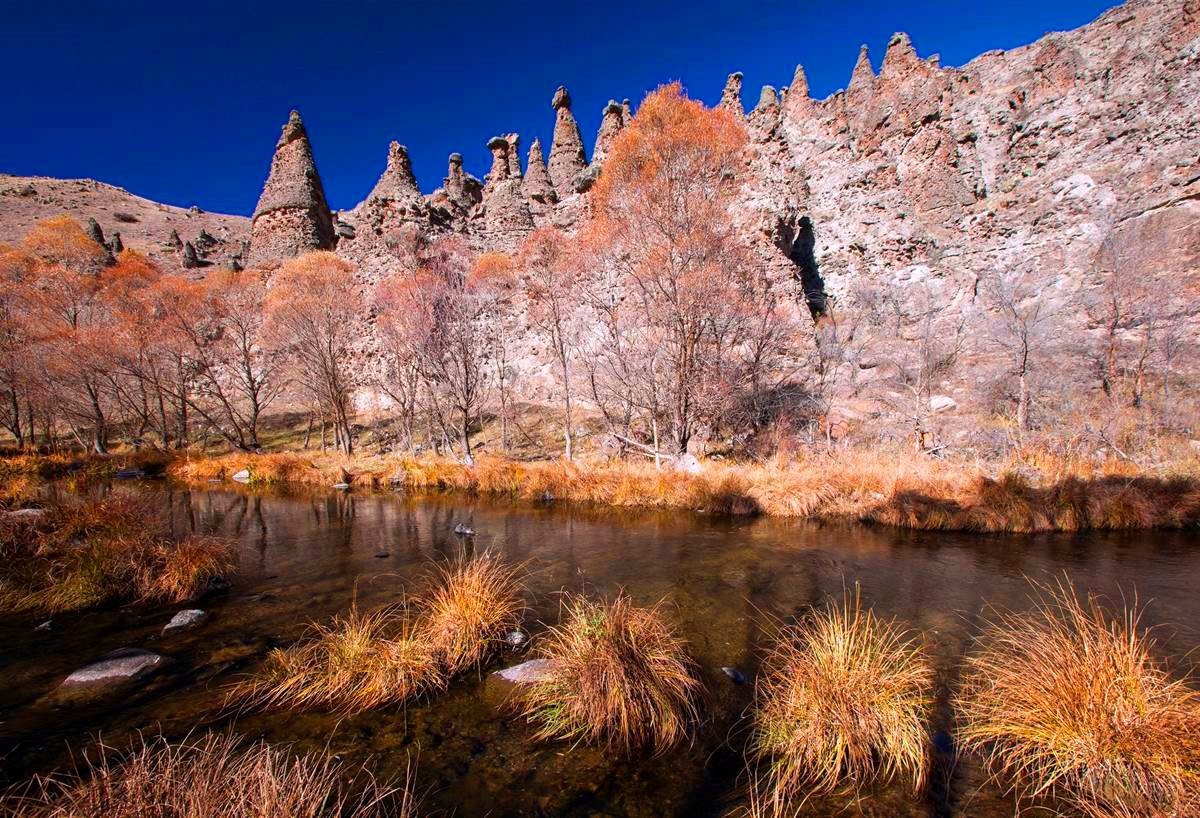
pixel 803 254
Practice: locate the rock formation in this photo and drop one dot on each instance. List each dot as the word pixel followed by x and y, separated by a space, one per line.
pixel 292 216
pixel 731 94
pixel 567 158
pixel 611 122
pixel 506 216
pixel 397 184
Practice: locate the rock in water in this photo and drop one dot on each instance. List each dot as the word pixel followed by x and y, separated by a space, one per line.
pixel 735 675
pixel 516 637
pixel 463 531
pixel 242 476
pixel 526 673
pixel 121 665
pixel 186 619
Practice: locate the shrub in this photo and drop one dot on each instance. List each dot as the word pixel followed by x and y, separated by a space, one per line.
pixel 1068 700
pixel 619 676
pixel 843 698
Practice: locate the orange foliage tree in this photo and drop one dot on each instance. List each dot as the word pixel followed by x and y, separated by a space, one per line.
pixel 312 307
pixel 684 307
pixel 446 319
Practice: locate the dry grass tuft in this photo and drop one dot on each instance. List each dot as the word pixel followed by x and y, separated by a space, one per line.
pixel 1067 700
pixel 87 551
pixel 620 676
pixel 843 700
pixel 353 664
pixel 210 777
pixel 389 656
pixel 472 605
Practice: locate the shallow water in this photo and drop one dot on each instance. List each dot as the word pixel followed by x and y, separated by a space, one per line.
pixel 304 557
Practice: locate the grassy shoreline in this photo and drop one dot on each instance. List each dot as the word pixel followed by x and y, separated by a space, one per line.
pixel 888 487
pixel 1027 494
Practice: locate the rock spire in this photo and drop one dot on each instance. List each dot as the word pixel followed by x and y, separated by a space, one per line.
pixel 292 216
pixel 397 184
pixel 567 158
pixel 731 95
pixel 611 122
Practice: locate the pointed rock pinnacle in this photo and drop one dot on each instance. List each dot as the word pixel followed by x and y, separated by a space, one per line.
pixel 567 157
pixel 292 216
pixel 731 94
pixel 397 182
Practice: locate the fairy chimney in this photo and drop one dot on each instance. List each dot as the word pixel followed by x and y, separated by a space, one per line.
pixel 567 158
pixel 514 155
pixel 611 122
pixel 797 104
pixel 463 189
pixel 397 184
pixel 731 95
pixel 292 216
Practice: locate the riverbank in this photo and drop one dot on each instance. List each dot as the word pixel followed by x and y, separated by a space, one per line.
pixel 1026 494
pixel 889 487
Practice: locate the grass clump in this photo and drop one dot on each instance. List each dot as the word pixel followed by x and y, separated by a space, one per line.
pixel 470 608
pixel 619 676
pixel 353 664
pixel 366 660
pixel 843 699
pixel 85 552
pixel 1067 700
pixel 209 777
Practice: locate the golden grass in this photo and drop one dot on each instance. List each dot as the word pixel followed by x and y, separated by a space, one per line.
pixel 620 677
pixel 209 777
pixel 1068 701
pixel 889 486
pixel 843 700
pixel 470 608
pixel 389 656
pixel 353 664
pixel 86 551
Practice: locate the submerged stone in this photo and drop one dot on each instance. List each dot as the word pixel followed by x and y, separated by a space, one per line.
pixel 186 619
pixel 121 665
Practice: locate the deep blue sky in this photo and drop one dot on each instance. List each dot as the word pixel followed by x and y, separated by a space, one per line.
pixel 182 102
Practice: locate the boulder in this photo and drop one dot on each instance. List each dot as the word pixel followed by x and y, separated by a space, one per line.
pixel 242 476
pixel 687 463
pixel 942 403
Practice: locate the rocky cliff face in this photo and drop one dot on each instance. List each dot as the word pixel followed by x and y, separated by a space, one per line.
pixel 1068 158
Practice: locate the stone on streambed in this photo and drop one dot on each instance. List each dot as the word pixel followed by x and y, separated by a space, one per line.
pixel 502 685
pixel 120 666
pixel 185 619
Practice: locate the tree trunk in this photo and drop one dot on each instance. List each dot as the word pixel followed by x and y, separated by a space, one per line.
pixel 1023 404
pixel 465 432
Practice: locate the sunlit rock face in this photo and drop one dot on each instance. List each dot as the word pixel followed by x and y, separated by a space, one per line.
pixel 292 216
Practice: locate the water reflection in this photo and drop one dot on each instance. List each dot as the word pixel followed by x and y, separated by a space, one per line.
pixel 730 582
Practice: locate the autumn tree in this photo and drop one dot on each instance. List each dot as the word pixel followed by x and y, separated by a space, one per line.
pixel 15 360
pixel 313 307
pixel 550 281
pixel 689 289
pixel 69 323
pixel 445 318
pixel 1020 329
